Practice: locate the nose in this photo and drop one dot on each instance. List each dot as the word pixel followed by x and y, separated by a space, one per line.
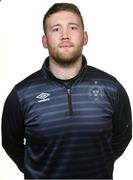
pixel 65 34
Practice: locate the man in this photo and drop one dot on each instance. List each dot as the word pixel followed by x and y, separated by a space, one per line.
pixel 74 118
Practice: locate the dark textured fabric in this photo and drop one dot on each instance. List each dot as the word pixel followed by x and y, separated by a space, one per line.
pixel 73 131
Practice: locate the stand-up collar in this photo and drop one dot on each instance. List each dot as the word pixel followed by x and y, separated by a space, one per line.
pixel 48 75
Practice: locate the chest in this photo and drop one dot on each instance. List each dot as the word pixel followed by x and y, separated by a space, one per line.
pixel 54 112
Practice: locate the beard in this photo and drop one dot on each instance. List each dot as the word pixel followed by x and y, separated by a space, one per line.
pixel 64 56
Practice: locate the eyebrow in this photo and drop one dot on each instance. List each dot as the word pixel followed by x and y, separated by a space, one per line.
pixel 55 26
pixel 73 24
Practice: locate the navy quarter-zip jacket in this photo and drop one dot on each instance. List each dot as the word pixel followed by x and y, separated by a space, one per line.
pixel 53 130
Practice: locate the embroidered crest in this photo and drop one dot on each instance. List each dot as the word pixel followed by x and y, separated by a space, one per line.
pixel 95 92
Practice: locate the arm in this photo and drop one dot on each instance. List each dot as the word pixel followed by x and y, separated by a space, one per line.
pixel 122 123
pixel 13 129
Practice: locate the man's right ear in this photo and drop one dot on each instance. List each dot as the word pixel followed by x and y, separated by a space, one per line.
pixel 44 41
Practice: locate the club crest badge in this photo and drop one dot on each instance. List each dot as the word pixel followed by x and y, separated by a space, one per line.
pixel 95 92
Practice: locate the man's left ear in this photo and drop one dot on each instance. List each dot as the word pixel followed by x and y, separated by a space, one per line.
pixel 85 38
pixel 44 41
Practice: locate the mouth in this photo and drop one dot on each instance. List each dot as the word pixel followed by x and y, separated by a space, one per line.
pixel 65 45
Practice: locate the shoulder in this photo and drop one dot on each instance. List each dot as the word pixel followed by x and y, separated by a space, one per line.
pixel 98 73
pixel 107 84
pixel 32 79
pixel 106 80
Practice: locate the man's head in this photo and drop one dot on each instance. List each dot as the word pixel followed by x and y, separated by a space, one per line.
pixel 64 33
pixel 57 7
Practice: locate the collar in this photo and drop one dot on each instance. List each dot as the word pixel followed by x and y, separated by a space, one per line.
pixel 48 75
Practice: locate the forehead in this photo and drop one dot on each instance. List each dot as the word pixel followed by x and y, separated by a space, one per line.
pixel 63 17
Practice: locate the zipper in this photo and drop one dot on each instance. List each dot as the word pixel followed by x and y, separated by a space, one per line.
pixel 69 101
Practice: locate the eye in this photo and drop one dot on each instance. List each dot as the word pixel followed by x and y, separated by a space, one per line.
pixel 73 27
pixel 55 29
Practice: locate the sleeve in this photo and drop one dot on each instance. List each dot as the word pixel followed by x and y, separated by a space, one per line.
pixel 13 129
pixel 122 123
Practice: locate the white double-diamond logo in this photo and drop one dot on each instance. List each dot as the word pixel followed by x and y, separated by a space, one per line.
pixel 43 97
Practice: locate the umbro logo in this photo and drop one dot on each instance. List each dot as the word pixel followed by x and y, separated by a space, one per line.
pixel 43 97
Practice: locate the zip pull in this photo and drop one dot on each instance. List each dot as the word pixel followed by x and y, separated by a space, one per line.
pixel 69 91
pixel 69 101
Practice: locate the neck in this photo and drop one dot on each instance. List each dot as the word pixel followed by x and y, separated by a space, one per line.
pixel 65 71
